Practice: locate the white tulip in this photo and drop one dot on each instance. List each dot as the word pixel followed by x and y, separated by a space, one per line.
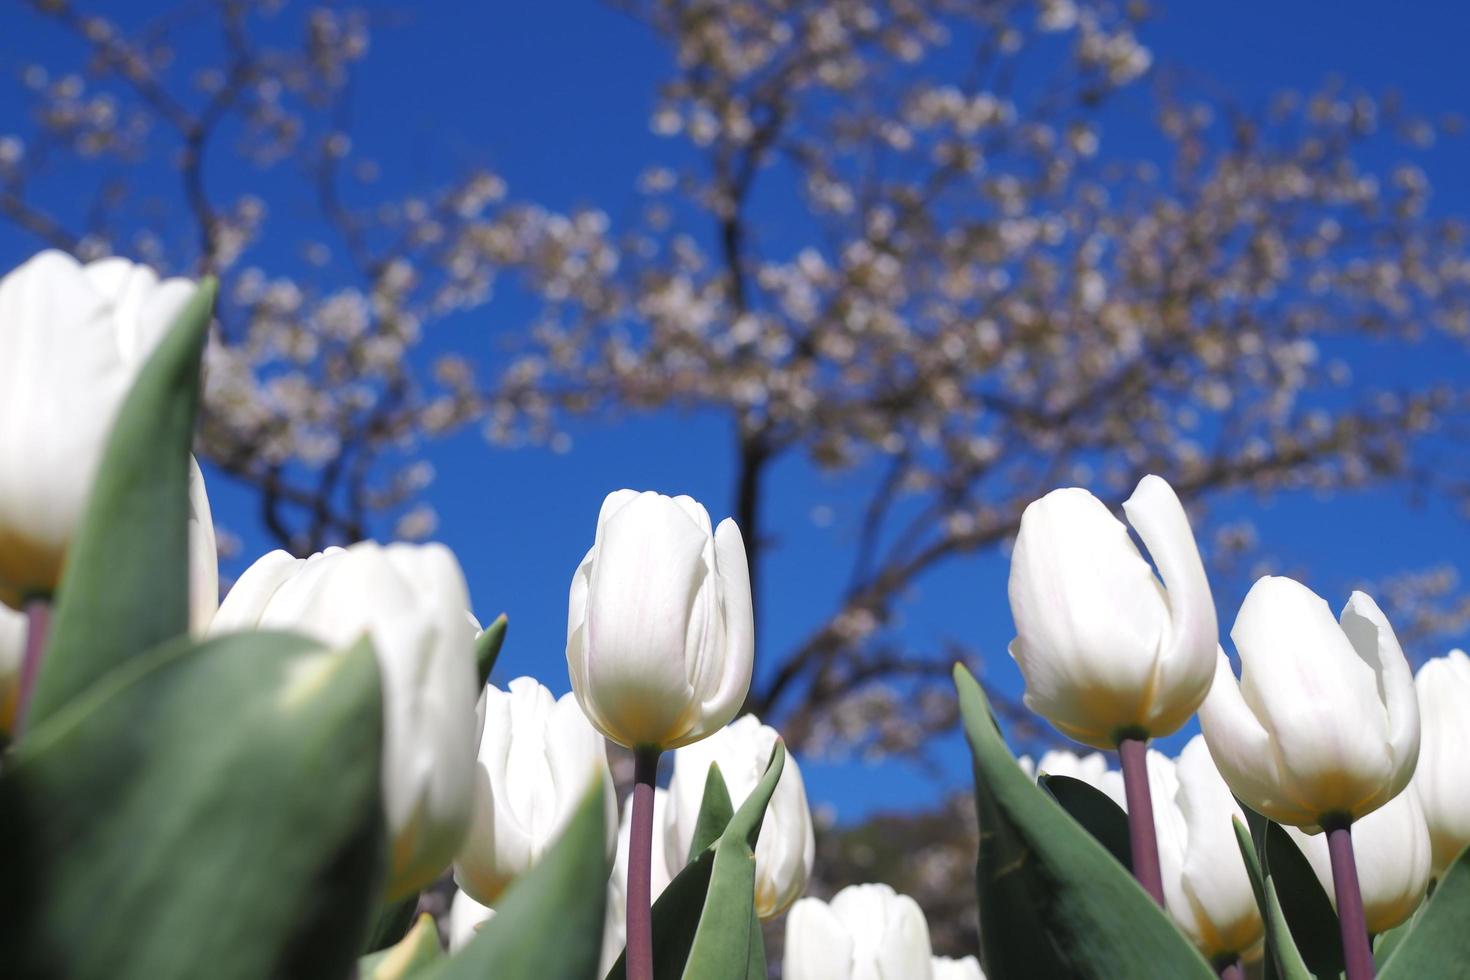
pixel 1323 723
pixel 1105 649
pixel 538 758
pixel 12 653
pixel 466 916
pixel 615 922
pixel 1091 769
pixel 868 932
pixel 786 848
pixel 411 602
pixel 1442 779
pixel 961 969
pixel 203 555
pixel 1206 886
pixel 660 630
pixel 72 340
pixel 1391 849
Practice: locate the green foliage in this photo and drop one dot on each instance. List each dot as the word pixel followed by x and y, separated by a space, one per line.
pixel 125 588
pixel 713 902
pixel 549 923
pixel 414 953
pixel 487 647
pixel 722 943
pixel 715 811
pixel 202 810
pixel 392 923
pixel 1438 942
pixel 1283 959
pixel 1053 901
pixel 1095 811
pixel 1304 904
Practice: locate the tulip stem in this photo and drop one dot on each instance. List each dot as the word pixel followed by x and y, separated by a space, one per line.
pixel 1143 840
pixel 1357 955
pixel 639 957
pixel 38 626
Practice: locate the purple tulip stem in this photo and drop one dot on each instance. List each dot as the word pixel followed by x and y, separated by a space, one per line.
pixel 639 957
pixel 1357 955
pixel 1142 838
pixel 38 626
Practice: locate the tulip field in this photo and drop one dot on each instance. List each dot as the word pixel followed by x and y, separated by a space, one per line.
pixel 264 786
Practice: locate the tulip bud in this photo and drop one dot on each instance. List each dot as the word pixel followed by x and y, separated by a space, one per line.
pixel 1323 722
pixel 1207 889
pixel 1105 649
pixel 868 932
pixel 72 340
pixel 411 601
pixel 538 755
pixel 466 916
pixel 1091 769
pixel 963 969
pixel 615 922
pixel 12 653
pixel 786 848
pixel 1391 848
pixel 660 630
pixel 1442 779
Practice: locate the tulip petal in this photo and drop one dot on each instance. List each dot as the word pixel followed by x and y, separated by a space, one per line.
pixel 1375 642
pixel 1187 656
pixel 1242 750
pixel 818 944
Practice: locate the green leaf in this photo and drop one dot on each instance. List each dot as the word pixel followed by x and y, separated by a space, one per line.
pixel 206 810
pixel 1095 811
pixel 1282 954
pixel 549 923
pixel 756 965
pixel 1388 943
pixel 392 923
pixel 1439 943
pixel 675 920
pixel 1054 902
pixel 722 942
pixel 409 957
pixel 487 648
pixel 1304 903
pixel 125 587
pixel 715 811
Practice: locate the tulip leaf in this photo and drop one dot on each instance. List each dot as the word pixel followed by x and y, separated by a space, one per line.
pixel 1052 900
pixel 722 943
pixel 1388 943
pixel 487 648
pixel 675 919
pixel 1304 903
pixel 715 811
pixel 125 587
pixel 408 957
pixel 392 923
pixel 1438 943
pixel 549 922
pixel 203 810
pixel 755 968
pixel 1095 811
pixel 1282 958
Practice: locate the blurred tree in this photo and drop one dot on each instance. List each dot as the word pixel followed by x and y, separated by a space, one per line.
pixel 977 304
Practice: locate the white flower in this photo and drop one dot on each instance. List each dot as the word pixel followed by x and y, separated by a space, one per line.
pixel 615 924
pixel 1206 887
pixel 538 757
pixel 868 932
pixel 1442 779
pixel 72 340
pixel 962 969
pixel 1323 723
pixel 1392 852
pixel 466 916
pixel 1106 650
pixel 786 848
pixel 410 600
pixel 12 653
pixel 1091 769
pixel 660 630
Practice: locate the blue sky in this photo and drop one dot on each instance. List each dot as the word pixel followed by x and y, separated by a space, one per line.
pixel 555 97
